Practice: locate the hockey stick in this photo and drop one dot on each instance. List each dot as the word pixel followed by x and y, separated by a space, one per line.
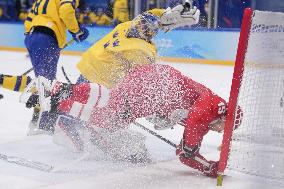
pixel 155 134
pixel 66 45
pixel 28 71
pixel 65 75
pixel 26 163
pixel 204 163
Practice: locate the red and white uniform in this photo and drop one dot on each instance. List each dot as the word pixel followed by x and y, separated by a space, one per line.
pixel 83 98
pixel 161 89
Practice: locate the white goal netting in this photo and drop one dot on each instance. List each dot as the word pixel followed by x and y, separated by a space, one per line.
pixel 258 144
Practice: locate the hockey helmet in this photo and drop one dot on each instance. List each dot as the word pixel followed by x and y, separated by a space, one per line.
pixel 237 119
pixel 145 26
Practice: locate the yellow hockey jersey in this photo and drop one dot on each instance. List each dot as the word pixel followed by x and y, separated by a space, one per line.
pixel 57 15
pixel 112 57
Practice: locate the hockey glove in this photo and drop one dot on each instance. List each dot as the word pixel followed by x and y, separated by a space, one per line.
pixel 179 16
pixel 32 101
pixel 212 170
pixel 185 151
pixel 192 158
pixel 81 35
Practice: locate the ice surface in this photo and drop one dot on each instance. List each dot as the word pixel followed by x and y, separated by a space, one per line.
pixel 166 172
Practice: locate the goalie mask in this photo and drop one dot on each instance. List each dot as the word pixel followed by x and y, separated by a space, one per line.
pixel 144 26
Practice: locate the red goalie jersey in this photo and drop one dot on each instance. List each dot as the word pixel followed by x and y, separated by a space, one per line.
pixel 157 89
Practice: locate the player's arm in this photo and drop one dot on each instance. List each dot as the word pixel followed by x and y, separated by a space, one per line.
pixel 207 108
pixel 191 157
pixel 188 150
pixel 68 15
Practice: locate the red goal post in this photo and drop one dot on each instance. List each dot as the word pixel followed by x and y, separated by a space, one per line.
pixel 257 146
pixel 237 77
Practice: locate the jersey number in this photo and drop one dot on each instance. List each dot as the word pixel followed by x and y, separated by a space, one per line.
pixel 221 108
pixel 37 4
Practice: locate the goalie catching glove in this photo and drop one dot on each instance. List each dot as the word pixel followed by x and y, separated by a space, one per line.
pixel 179 16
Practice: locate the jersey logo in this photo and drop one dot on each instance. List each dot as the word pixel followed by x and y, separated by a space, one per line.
pixel 115 34
pixel 106 45
pixel 115 43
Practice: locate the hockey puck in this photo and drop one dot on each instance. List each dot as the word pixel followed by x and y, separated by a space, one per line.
pixel 1 96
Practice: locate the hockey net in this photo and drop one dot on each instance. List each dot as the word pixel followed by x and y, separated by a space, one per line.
pixel 256 147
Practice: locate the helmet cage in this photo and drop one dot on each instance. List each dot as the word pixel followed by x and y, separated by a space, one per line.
pixel 146 25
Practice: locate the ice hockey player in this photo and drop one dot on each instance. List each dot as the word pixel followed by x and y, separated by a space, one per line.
pixel 112 53
pixel 111 58
pixel 128 45
pixel 45 30
pixel 147 90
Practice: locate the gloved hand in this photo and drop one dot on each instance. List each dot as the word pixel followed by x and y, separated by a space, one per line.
pixel 192 158
pixel 179 16
pixel 33 100
pixel 81 35
pixel 186 151
pixel 211 171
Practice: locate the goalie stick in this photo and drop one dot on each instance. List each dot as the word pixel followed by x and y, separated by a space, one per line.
pixel 155 134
